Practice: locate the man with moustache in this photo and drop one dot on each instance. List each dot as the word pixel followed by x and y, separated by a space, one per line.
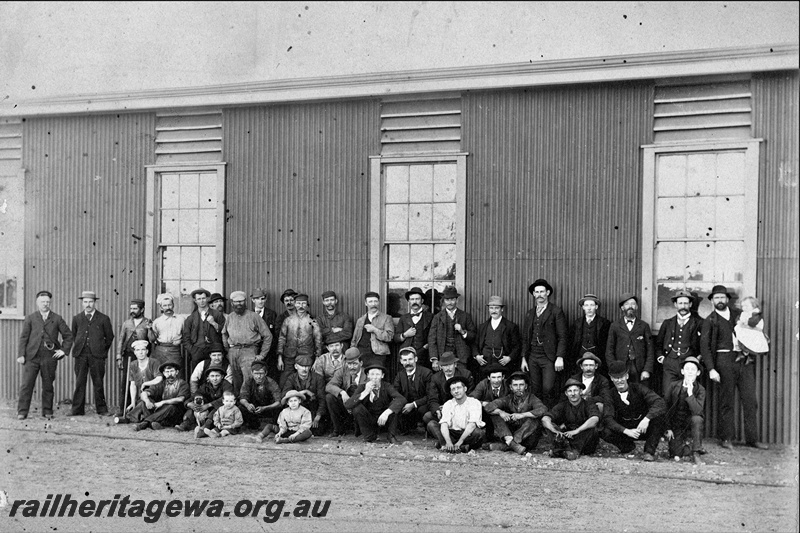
pixel 413 328
pixel 596 387
pixel 373 331
pixel 260 399
pixel 39 353
pixel 216 357
pixel 630 341
pixel 488 390
pixel 342 385
pixel 498 340
pixel 312 385
pixel 375 404
pixel 217 302
pixel 93 336
pixel 438 391
pixel 545 342
pixel 201 329
pixel 299 336
pixel 166 333
pixel 452 330
pixel 242 333
pixel 461 420
pixel 328 363
pixel 287 299
pixel 135 328
pixel 678 338
pixel 412 383
pixel 573 423
pixel 332 321
pixel 161 405
pixel 589 332
pixel 516 416
pixel 726 366
pixel 686 400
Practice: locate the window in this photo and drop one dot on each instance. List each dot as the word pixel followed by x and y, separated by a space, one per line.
pixel 418 232
pixel 12 244
pixel 187 225
pixel 699 222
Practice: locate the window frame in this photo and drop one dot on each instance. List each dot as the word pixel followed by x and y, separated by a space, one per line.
pixel 18 312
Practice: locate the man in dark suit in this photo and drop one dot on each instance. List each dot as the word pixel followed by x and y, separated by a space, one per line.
pixel 412 383
pixel 93 338
pixel 544 344
pixel 678 338
pixel 413 328
pixel 201 329
pixel 630 341
pixel 342 385
pixel 39 353
pixel 259 299
pixel 375 404
pixel 596 387
pixel 498 340
pixel 589 333
pixel 490 389
pixel 452 330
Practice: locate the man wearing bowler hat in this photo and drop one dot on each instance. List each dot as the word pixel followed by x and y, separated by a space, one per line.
pixel 596 387
pixel 516 416
pixel 93 336
pixel 328 363
pixel 452 330
pixel 686 400
pixel 498 340
pixel 217 302
pixel 722 356
pixel 373 332
pixel 342 385
pixel 136 327
pixel 678 338
pixel 589 332
pixel 461 427
pixel 375 404
pixel 630 341
pixel 333 321
pixel 573 421
pixel 544 346
pixel 39 353
pixel 201 329
pixel 413 328
pixel 412 383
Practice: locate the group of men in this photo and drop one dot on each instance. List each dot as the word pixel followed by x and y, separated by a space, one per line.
pixel 470 386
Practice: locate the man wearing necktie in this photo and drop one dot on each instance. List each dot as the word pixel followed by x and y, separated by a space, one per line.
pixel 630 341
pixel 93 336
pixel 413 328
pixel 375 405
pixel 490 389
pixel 589 332
pixel 412 382
pixel 678 338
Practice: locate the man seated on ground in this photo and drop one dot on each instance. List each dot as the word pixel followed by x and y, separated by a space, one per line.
pixel 686 402
pixel 260 398
pixel 342 385
pixel 596 387
pixel 211 391
pixel 412 383
pixel 375 404
pixel 217 358
pixel 634 413
pixel 328 363
pixel 438 393
pixel 313 388
pixel 574 422
pixel 492 387
pixel 461 426
pixel 516 416
pixel 161 405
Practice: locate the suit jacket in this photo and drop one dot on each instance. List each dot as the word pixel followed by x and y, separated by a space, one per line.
pixel 692 332
pixel 419 340
pixel 35 330
pixel 270 318
pixel 337 320
pixel 437 338
pixel 98 334
pixel 554 332
pixel 601 388
pixel 438 395
pixel 710 340
pixel 418 391
pixel 509 336
pixel 638 340
pixel 576 349
pixel 387 398
pixel 379 340
pixel 676 394
pixel 643 403
pixel 196 331
pixel 483 391
pixel 129 333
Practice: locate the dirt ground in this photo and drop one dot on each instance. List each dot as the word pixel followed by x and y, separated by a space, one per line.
pixel 380 487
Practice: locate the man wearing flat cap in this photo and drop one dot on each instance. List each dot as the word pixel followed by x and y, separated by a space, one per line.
pixel 135 328
pixel 260 398
pixel 686 400
pixel 630 341
pixel 373 332
pixel 338 390
pixel 589 332
pixel 243 334
pixel 93 336
pixel 726 366
pixel 438 392
pixel 161 405
pixel 596 387
pixel 412 383
pixel 573 421
pixel 333 321
pixel 678 338
pixel 452 330
pixel 375 404
pixel 201 329
pixel 328 363
pixel 498 340
pixel 39 352
pixel 166 332
pixel 299 336
pixel 259 298
pixel 414 327
pixel 545 341
pixel 313 386
pixel 461 427
pixel 516 416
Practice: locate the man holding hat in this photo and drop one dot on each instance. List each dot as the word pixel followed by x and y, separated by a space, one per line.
pixel 438 391
pixel 217 302
pixel 573 422
pixel 260 397
pixel 299 336
pixel 589 332
pixel 373 331
pixel 544 346
pixel 93 336
pixel 686 400
pixel 516 416
pixel 630 341
pixel 461 420
pixel 242 334
pixel 331 361
pixel 452 330
pixel 492 387
pixel 498 340
pixel 313 386
pixel 201 329
pixel 412 383
pixel 341 386
pixel 634 413
pixel 136 327
pixel 596 387
pixel 39 353
pixel 161 405
pixel 413 328
pixel 166 333
pixel 332 321
pixel 375 404
pixel 678 338
pixel 722 357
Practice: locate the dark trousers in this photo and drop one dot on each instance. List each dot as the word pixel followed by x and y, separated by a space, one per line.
pixel 163 353
pixel 732 376
pixel 626 444
pixel 88 365
pixel 340 418
pixel 254 421
pixel 687 436
pixel 166 415
pixel 671 372
pixel 543 378
pixel 584 443
pixel 368 422
pixel 525 432
pixel 408 422
pixel 44 364
pixel 474 441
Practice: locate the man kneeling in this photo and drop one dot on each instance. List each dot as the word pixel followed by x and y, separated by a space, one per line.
pixel 461 420
pixel 573 422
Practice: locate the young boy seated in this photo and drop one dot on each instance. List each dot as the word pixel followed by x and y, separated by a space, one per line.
pixel 686 402
pixel 294 422
pixel 205 400
pixel 227 419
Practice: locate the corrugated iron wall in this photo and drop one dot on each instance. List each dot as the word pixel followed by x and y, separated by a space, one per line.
pixel 298 199
pixel 775 113
pixel 84 219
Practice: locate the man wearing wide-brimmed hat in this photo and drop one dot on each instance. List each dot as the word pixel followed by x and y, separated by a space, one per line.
pixel 589 332
pixel 630 341
pixel 333 321
pixel 136 327
pixel 678 338
pixel 498 340
pixel 516 416
pixel 573 421
pixel 375 404
pixel 438 392
pixel 201 329
pixel 413 327
pixel 597 387
pixel 93 336
pixel 452 330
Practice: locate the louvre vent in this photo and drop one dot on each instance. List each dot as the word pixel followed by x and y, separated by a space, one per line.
pixel 421 126
pixel 10 146
pixel 194 136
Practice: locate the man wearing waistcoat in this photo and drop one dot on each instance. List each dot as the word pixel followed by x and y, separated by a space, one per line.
pixel 678 338
pixel 373 332
pixel 498 340
pixel 589 333
pixel 452 330
pixel 412 383
pixel 630 341
pixel 94 336
pixel 414 327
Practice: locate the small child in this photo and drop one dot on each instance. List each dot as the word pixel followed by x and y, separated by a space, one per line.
pixel 294 421
pixel 750 330
pixel 227 419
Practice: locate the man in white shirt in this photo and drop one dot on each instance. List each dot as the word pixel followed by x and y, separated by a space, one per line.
pixel 461 426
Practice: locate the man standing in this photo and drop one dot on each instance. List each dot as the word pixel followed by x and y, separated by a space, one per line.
pixel 375 404
pixel 573 424
pixel 727 366
pixel 311 384
pixel 242 333
pixel 630 341
pixel 135 328
pixel 299 336
pixel 327 365
pixel 94 336
pixel 498 340
pixel 373 332
pixel 678 338
pixel 452 330
pixel 217 302
pixel 413 328
pixel 334 322
pixel 516 416
pixel 438 391
pixel 39 353
pixel 461 420
pixel 545 342
pixel 589 332
pixel 412 383
pixel 166 333
pixel 342 385
pixel 287 299
pixel 259 299
pixel 202 329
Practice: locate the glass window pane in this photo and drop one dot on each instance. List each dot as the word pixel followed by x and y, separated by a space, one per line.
pixel 671 175
pixel 700 217
pixel 671 218
pixel 183 301
pixel 701 175
pixel 172 286
pixel 730 217
pixel 208 263
pixel 396 304
pixel 420 262
pixel 420 222
pixel 421 180
pixel 171 262
pixel 729 262
pixel 398 261
pixel 444 262
pixel 664 307
pixel 207 226
pixel 444 222
pixel 190 263
pixel 190 191
pixel 700 261
pixel 396 183
pixel 169 226
pixel 397 222
pixel 670 262
pixel 188 226
pixel 444 182
pixel 169 191
pixel 208 190
pixel 730 173
pixel 209 284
